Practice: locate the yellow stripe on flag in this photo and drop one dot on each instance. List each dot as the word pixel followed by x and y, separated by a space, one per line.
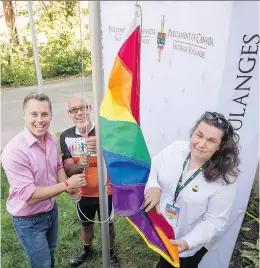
pixel 112 111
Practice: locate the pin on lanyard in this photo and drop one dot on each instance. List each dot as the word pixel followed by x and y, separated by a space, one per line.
pixel 181 186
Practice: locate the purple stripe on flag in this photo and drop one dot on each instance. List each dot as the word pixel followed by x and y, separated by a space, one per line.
pixel 145 226
pixel 128 199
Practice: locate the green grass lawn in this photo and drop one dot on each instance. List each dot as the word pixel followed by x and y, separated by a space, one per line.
pixel 131 249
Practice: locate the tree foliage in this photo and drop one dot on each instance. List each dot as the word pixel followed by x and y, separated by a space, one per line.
pixel 58 37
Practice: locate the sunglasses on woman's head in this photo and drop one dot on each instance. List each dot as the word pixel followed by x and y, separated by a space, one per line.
pixel 218 118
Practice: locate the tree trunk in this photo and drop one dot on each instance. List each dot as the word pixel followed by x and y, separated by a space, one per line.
pixel 10 20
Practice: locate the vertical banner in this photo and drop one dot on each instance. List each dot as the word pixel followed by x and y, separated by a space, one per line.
pixel 239 101
pixel 195 56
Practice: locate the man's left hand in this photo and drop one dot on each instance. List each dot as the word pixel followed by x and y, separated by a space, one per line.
pixel 181 244
pixel 75 194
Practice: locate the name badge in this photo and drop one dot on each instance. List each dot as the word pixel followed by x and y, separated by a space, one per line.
pixel 172 213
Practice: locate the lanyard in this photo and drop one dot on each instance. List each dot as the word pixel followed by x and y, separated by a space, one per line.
pixel 182 186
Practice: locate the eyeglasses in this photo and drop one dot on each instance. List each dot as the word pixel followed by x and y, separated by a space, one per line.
pixel 82 108
pixel 219 118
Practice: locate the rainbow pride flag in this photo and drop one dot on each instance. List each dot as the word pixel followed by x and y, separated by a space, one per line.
pixel 126 155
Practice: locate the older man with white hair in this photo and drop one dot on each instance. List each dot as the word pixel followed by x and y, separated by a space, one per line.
pixel 78 146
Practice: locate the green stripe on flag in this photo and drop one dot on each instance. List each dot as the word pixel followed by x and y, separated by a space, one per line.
pixel 123 138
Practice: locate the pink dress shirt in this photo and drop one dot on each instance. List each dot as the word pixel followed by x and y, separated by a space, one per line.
pixel 28 166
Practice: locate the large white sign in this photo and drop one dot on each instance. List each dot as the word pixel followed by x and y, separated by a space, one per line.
pixel 207 60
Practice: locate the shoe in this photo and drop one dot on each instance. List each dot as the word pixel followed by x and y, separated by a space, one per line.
pixel 80 257
pixel 114 262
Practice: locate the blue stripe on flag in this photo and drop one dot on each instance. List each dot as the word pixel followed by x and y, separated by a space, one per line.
pixel 123 170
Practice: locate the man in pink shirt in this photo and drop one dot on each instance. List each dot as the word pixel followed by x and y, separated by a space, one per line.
pixel 36 176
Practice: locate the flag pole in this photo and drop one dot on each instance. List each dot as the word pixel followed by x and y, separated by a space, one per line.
pixel 35 48
pixel 98 84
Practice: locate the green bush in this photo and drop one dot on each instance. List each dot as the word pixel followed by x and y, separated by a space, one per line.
pixel 246 252
pixel 16 68
pixel 251 253
pixel 60 53
pixel 250 229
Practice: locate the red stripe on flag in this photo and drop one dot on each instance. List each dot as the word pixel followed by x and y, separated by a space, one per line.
pixel 161 222
pixel 129 53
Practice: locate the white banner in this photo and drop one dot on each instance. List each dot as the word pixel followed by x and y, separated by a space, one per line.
pixel 208 61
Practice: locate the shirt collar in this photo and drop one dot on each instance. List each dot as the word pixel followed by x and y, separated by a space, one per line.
pixel 30 139
pixel 78 133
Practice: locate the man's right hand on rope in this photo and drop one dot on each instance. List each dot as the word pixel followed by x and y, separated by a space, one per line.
pixel 90 145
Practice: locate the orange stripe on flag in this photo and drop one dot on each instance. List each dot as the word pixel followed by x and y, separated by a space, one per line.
pixel 172 249
pixel 120 83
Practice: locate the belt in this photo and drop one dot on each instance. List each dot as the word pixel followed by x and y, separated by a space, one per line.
pixel 34 215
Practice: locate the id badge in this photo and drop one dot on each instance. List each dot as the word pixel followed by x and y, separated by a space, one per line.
pixel 172 213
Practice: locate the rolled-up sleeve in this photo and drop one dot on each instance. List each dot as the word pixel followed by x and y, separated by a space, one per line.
pixel 59 159
pixel 59 162
pixel 19 174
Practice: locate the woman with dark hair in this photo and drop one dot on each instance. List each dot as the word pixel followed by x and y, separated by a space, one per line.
pixel 193 184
